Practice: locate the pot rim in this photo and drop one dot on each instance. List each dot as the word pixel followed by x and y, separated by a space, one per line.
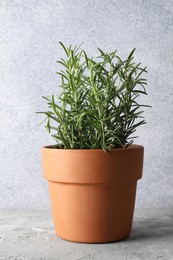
pixel 93 166
pixel 131 147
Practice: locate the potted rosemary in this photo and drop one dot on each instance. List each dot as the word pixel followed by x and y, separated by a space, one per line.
pixel 93 167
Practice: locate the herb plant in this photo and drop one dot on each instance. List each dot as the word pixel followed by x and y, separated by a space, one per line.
pixel 98 107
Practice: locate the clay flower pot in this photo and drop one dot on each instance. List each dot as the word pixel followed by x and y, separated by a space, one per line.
pixel 92 193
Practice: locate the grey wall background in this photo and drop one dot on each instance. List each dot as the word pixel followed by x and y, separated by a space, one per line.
pixel 29 35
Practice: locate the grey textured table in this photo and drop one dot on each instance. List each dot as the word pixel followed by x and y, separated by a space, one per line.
pixel 30 235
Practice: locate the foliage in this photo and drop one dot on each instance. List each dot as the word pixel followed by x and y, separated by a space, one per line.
pixel 98 107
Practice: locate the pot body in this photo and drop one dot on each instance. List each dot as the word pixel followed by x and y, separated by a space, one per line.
pixel 92 193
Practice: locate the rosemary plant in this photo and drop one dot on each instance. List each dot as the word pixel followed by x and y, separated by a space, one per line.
pixel 98 107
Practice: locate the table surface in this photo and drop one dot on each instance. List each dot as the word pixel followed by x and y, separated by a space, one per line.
pixel 26 235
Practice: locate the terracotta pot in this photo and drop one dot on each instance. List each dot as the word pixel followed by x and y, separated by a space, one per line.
pixel 92 193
